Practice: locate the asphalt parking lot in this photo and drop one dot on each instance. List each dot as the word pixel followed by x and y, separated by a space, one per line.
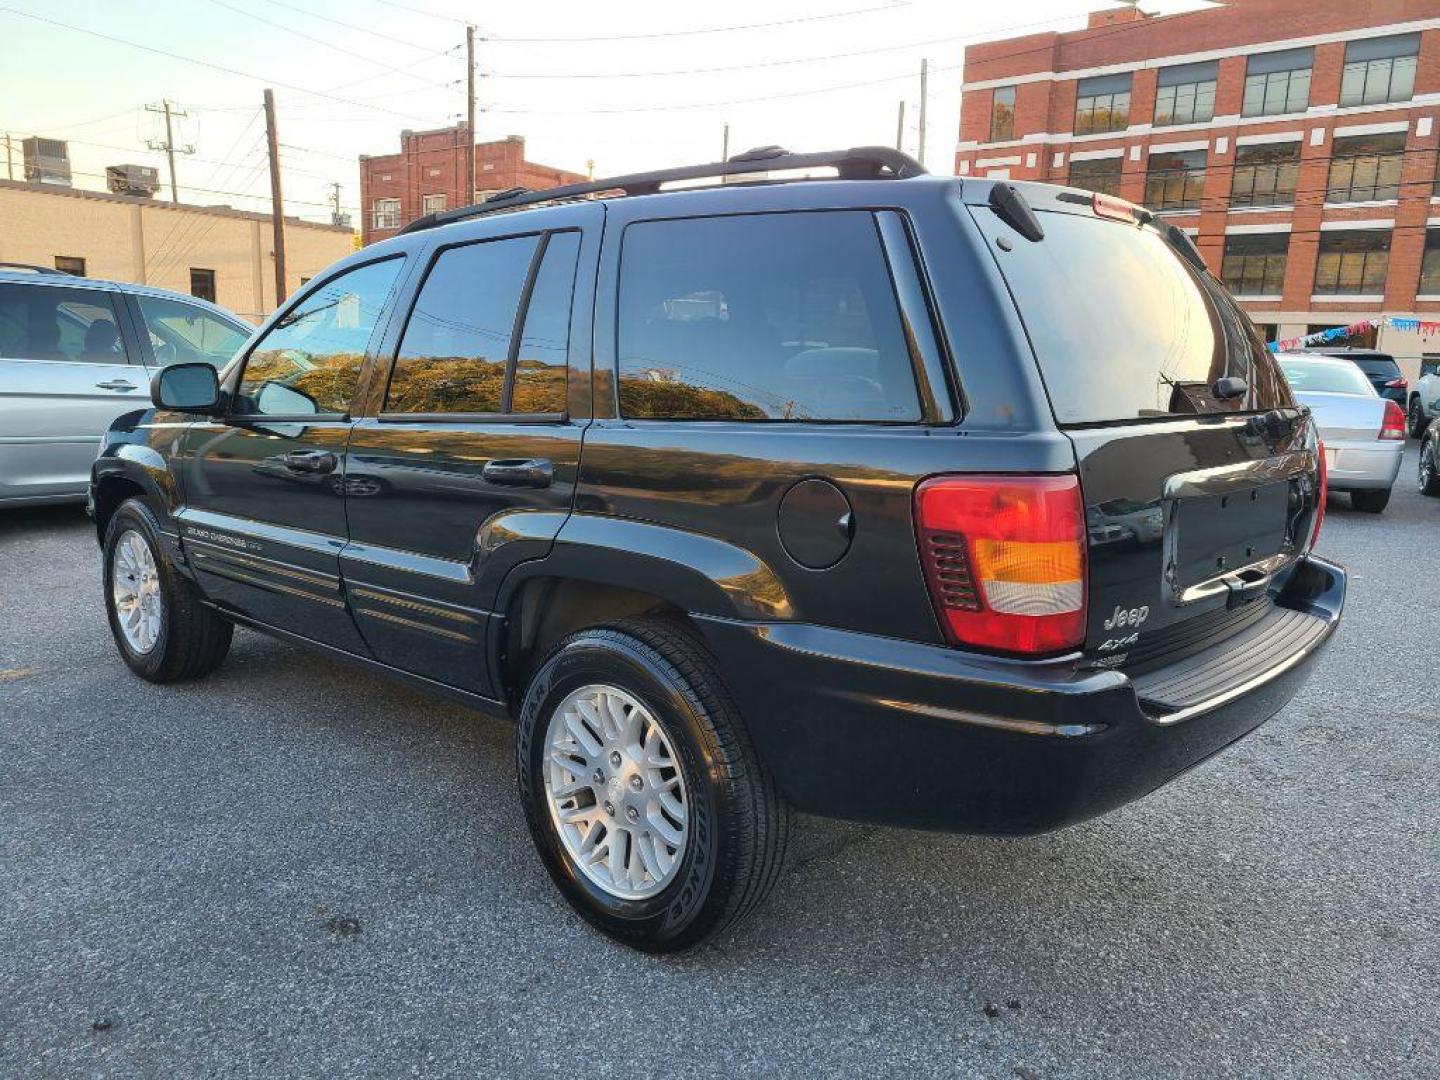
pixel 295 869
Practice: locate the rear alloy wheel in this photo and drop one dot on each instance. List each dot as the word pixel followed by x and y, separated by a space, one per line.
pixel 1429 468
pixel 1417 420
pixel 1370 502
pixel 641 788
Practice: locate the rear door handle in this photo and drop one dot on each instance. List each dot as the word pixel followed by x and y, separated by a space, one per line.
pixel 116 384
pixel 314 461
pixel 526 472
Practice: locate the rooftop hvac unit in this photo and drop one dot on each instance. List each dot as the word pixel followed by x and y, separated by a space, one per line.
pixel 47 161
pixel 142 180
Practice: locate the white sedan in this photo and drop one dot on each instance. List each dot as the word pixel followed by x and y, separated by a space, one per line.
pixel 1363 433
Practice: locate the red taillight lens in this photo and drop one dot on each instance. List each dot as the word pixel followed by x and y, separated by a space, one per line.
pixel 1108 206
pixel 1393 425
pixel 1398 384
pixel 1004 557
pixel 1324 475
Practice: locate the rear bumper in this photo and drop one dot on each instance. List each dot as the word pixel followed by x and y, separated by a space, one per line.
pixel 875 729
pixel 1360 466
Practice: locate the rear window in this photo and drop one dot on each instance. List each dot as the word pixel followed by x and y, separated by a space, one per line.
pixel 1124 328
pixel 1379 366
pixel 1325 378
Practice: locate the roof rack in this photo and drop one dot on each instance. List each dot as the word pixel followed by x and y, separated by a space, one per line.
pixel 857 163
pixel 36 269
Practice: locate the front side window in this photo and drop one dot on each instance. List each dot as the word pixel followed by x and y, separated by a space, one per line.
pixel 1430 265
pixel 1102 103
pixel 1175 180
pixel 387 213
pixel 1096 174
pixel 309 361
pixel 1353 262
pixel 1002 114
pixel 1379 69
pixel 807 329
pixel 49 323
pixel 1277 82
pixel 455 356
pixel 1185 94
pixel 1265 174
pixel 1254 264
pixel 1366 168
pixel 182 333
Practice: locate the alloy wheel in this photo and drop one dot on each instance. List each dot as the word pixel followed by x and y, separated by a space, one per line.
pixel 135 591
pixel 1427 464
pixel 616 792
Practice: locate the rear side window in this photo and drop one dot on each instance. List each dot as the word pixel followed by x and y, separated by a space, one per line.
pixel 52 323
pixel 1124 328
pixel 762 317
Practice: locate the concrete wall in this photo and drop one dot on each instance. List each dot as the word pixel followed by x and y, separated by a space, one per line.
pixel 157 243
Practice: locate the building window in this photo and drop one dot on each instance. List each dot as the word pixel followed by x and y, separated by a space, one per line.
pixel 70 264
pixel 1353 262
pixel 1277 82
pixel 1254 265
pixel 1430 265
pixel 432 204
pixel 202 284
pixel 387 213
pixel 1366 168
pixel 1379 69
pixel 1096 174
pixel 1265 174
pixel 1102 103
pixel 1175 179
pixel 1185 94
pixel 1002 114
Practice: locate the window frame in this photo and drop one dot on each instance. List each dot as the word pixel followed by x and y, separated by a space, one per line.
pixel 938 391
pixel 71 259
pixel 214 284
pixel 1429 261
pixel 1191 175
pixel 1365 257
pixel 375 222
pixel 1119 177
pixel 426 200
pixel 517 330
pixel 1094 96
pixel 996 136
pixel 1186 77
pixel 357 395
pixel 1365 65
pixel 1290 167
pixel 1277 62
pixel 1264 257
pixel 1340 160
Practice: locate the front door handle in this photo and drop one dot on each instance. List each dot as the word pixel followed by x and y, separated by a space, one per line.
pixel 115 384
pixel 520 472
pixel 312 461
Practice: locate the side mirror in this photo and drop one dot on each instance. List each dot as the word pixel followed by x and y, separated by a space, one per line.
pixel 186 388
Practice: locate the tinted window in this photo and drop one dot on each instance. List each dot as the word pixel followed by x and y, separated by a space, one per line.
pixel 182 333
pixel 50 323
pixel 1124 328
pixel 1377 365
pixel 1325 378
pixel 539 380
pixel 309 361
pixel 452 356
pixel 763 317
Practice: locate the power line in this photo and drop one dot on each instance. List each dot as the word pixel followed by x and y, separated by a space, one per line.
pixel 796 21
pixel 387 38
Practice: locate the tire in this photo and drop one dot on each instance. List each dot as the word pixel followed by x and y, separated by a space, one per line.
pixel 1429 468
pixel 1370 502
pixel 1417 420
pixel 736 823
pixel 184 639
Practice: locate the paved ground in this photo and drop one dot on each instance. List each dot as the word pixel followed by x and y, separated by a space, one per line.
pixel 291 868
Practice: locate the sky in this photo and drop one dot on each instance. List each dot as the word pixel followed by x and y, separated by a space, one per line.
pixel 634 85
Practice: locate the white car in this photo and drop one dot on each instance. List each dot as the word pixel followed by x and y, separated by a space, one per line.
pixel 1363 433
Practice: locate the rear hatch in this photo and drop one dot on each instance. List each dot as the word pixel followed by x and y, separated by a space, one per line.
pixel 1197 468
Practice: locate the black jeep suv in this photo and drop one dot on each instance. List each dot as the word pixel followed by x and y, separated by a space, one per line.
pixel 944 503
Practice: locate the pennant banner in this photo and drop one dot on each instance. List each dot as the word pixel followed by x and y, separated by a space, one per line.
pixel 1324 337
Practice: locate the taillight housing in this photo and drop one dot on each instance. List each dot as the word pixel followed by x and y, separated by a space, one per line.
pixel 1393 424
pixel 1324 476
pixel 1398 384
pixel 1004 558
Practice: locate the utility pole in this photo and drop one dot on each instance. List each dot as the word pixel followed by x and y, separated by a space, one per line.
pixel 277 201
pixel 725 143
pixel 169 144
pixel 900 128
pixel 469 116
pixel 9 162
pixel 924 102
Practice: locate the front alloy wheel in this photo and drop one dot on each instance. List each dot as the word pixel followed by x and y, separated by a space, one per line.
pixel 1429 468
pixel 135 592
pixel 1418 423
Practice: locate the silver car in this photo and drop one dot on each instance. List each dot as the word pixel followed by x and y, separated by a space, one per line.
pixel 75 353
pixel 1363 433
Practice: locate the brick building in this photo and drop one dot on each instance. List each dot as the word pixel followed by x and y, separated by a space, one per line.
pixel 429 174
pixel 1296 140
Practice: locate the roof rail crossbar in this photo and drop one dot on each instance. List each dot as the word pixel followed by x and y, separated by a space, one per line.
pixel 857 163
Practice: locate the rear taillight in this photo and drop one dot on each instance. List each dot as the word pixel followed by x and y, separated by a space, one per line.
pixel 1108 206
pixel 1324 475
pixel 1398 384
pixel 1393 425
pixel 1004 557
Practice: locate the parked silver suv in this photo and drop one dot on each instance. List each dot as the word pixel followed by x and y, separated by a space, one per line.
pixel 75 353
